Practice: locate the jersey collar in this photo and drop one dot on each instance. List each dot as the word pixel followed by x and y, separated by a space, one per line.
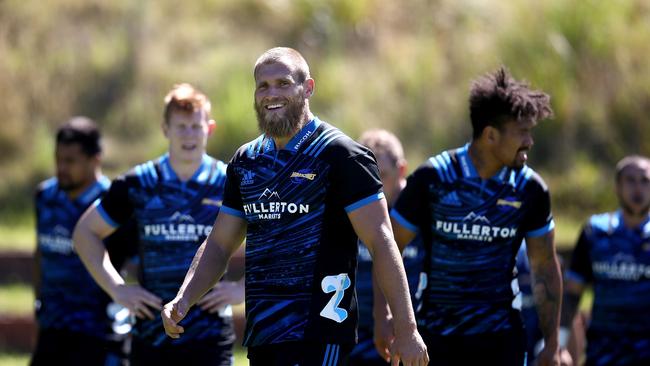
pixel 268 144
pixel 91 193
pixel 200 175
pixel 505 175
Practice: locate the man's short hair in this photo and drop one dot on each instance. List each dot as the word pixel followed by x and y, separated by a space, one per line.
pixel 383 143
pixel 631 160
pixel 286 56
pixel 187 99
pixel 497 98
pixel 83 131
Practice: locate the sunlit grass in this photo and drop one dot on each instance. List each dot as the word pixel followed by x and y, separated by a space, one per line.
pixel 16 299
pixel 21 237
pixel 14 359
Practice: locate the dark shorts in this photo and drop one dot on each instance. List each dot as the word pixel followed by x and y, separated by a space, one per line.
pixel 299 353
pixel 506 348
pixel 364 353
pixel 64 347
pixel 204 352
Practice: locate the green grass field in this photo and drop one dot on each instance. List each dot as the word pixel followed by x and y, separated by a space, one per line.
pixel 16 299
pixel 19 359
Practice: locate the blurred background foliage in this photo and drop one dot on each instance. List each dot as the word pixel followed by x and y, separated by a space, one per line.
pixel 401 65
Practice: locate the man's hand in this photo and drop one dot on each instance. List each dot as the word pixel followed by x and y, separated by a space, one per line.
pixel 137 299
pixel 383 336
pixel 223 294
pixel 409 348
pixel 549 356
pixel 172 314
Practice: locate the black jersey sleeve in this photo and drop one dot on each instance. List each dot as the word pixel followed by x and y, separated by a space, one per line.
pixel 580 268
pixel 539 219
pixel 355 180
pixel 116 206
pixel 232 200
pixel 411 205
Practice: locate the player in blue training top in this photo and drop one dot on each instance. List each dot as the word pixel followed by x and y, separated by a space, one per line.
pixel 613 255
pixel 473 206
pixel 300 193
pixel 174 200
pixel 392 168
pixel 71 310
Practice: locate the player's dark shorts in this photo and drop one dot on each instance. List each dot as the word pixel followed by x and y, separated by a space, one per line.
pixel 364 353
pixel 299 353
pixel 203 353
pixel 506 348
pixel 64 347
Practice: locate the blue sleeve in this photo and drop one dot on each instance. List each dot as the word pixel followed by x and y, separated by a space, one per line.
pixel 411 208
pixel 232 200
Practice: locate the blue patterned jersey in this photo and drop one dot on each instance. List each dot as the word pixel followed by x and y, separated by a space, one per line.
pixel 616 260
pixel 301 248
pixel 472 229
pixel 69 297
pixel 173 217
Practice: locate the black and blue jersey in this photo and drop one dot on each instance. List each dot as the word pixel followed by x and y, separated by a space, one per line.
pixel 615 259
pixel 525 301
pixel 472 229
pixel 173 218
pixel 301 249
pixel 69 298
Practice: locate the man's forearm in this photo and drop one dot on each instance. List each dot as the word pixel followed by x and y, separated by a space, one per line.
pixel 94 256
pixel 207 267
pixel 547 290
pixel 388 270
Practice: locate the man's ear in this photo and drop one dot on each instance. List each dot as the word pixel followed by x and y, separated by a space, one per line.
pixel 165 128
pixel 309 87
pixel 491 134
pixel 212 125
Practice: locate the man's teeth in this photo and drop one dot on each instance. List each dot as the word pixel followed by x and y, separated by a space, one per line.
pixel 274 106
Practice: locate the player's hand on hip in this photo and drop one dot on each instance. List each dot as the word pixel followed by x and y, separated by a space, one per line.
pixel 172 313
pixel 383 336
pixel 549 356
pixel 138 300
pixel 409 349
pixel 224 293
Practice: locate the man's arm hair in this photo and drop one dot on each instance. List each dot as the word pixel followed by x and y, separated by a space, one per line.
pixel 211 259
pixel 546 284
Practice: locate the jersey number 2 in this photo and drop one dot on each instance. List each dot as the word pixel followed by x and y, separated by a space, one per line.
pixel 336 284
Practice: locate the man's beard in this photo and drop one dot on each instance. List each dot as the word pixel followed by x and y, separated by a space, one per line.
pixel 281 125
pixel 631 211
pixel 67 185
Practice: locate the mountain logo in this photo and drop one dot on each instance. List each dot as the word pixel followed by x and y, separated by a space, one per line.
pixel 179 217
pixel 268 194
pixel 476 218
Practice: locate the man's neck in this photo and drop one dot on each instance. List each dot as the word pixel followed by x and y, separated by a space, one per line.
pixel 391 197
pixel 486 166
pixel 633 221
pixel 184 169
pixel 73 194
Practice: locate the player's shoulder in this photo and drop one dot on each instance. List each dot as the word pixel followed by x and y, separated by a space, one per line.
pixel 527 178
pixel 251 149
pixel 144 175
pixel 47 188
pixel 331 143
pixel 605 222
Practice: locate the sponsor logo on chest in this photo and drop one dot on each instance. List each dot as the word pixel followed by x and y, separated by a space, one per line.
pixel 475 227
